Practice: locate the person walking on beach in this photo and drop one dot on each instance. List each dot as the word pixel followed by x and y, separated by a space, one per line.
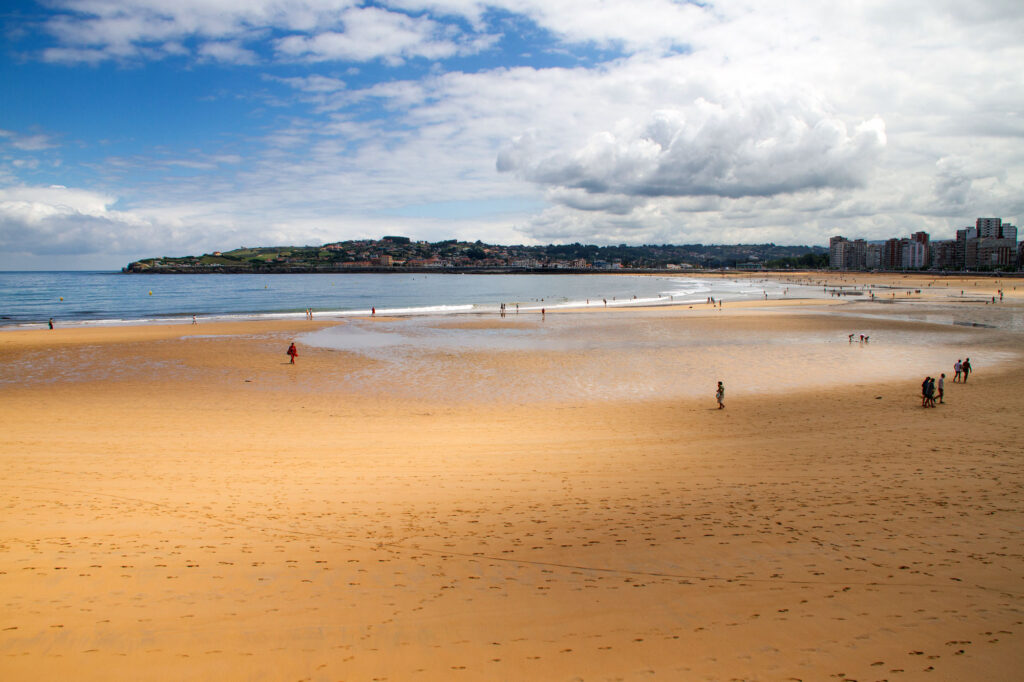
pixel 956 368
pixel 966 369
pixel 924 391
pixel 51 323
pixel 292 352
pixel 942 385
pixel 720 396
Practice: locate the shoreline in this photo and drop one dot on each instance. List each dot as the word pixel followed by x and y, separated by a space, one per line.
pixel 907 286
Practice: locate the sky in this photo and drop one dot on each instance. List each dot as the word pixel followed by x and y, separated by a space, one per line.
pixel 138 128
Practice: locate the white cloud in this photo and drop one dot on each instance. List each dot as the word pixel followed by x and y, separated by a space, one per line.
pixel 58 220
pixel 230 52
pixel 369 34
pixel 740 148
pixel 729 121
pixel 26 143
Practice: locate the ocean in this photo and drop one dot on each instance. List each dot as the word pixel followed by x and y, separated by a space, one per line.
pixel 29 299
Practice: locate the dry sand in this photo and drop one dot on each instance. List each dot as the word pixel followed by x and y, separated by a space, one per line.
pixel 192 507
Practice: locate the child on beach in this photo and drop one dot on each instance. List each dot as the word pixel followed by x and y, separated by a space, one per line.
pixel 292 352
pixel 720 395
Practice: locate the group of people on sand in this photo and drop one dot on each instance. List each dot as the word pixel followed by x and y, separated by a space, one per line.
pixel 930 390
pixel 863 338
pixel 961 370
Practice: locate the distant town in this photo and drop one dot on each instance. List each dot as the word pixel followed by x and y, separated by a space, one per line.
pixel 402 254
pixel 990 245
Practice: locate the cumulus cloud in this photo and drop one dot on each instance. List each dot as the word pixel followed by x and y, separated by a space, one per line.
pixel 758 149
pixel 662 121
pixel 58 220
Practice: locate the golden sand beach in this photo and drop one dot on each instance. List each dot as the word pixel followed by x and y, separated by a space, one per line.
pixel 187 505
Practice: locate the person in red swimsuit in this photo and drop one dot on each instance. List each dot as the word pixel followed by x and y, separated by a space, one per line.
pixel 293 352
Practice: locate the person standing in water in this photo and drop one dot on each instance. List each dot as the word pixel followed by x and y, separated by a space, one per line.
pixel 720 395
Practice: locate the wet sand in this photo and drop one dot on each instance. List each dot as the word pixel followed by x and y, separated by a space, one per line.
pixel 183 504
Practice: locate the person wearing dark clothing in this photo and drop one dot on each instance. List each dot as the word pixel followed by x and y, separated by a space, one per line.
pixel 966 369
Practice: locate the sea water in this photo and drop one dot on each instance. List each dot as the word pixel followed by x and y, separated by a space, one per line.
pixel 29 299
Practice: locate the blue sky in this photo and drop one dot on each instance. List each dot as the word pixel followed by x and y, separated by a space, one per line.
pixel 132 128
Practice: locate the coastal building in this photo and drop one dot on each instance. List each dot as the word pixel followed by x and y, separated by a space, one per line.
pixel 989 244
pixel 892 255
pixel 844 254
pixel 996 253
pixel 873 257
pixel 838 249
pixel 989 228
pixel 922 239
pixel 943 255
pixel 913 253
pixel 859 255
pixel 963 236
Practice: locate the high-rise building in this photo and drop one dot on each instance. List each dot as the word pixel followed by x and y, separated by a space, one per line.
pixel 859 255
pixel 989 243
pixel 913 254
pixel 964 236
pixel 988 227
pixel 873 257
pixel 996 253
pixel 922 238
pixel 839 251
pixel 892 255
pixel 971 254
pixel 943 255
